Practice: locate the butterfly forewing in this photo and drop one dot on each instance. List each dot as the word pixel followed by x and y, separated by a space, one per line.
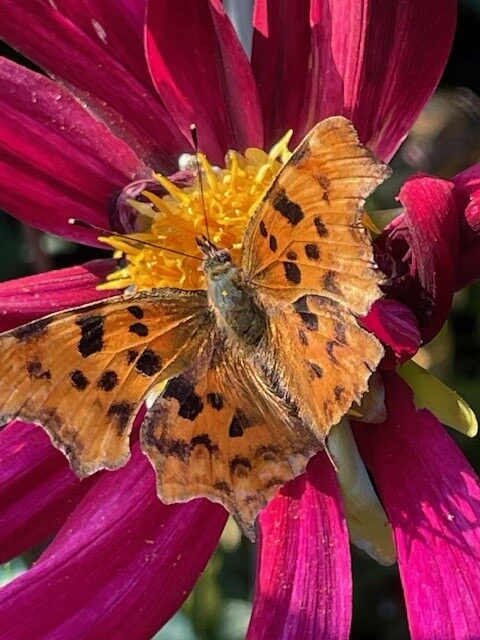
pixel 82 374
pixel 306 236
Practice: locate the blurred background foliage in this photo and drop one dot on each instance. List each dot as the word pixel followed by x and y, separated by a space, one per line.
pixel 444 141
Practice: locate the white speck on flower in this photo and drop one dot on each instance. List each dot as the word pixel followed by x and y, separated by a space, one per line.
pixel 450 517
pixel 187 162
pixel 100 31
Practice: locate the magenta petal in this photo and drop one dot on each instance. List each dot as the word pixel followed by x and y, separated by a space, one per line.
pixel 467 190
pixel 280 60
pixel 303 585
pixel 119 568
pixel 219 95
pixel 432 497
pixel 56 160
pixel 97 49
pixel 37 489
pixel 396 326
pixel 419 251
pixel 25 299
pixel 370 63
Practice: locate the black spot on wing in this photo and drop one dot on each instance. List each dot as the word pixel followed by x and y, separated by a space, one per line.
pixel 292 255
pixel 309 319
pixel 204 439
pixel 320 227
pixel 263 229
pixel 340 330
pixel 121 412
pixel 302 336
pixel 272 242
pixel 191 404
pixel 312 252
pixel 79 380
pixel 239 423
pixel 292 272
pixel 316 369
pixel 329 347
pixel 339 391
pixel 287 208
pixel 136 311
pixel 92 329
pixel 330 282
pixel 108 380
pixel 222 487
pixel 300 154
pixel 215 400
pixel 35 370
pixel 139 329
pixel 131 356
pixel 325 184
pixel 149 363
pixel 240 465
pixel 32 330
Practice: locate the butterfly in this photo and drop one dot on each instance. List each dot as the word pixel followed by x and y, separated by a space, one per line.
pixel 256 369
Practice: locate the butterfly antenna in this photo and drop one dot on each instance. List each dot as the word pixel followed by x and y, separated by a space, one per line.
pixel 88 225
pixel 193 130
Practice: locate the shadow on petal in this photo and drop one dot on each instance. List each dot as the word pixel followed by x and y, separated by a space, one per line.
pixel 32 297
pixel 37 489
pixel 432 497
pixel 119 568
pixel 303 585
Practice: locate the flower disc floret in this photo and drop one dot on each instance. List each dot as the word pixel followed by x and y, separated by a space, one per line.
pixel 226 198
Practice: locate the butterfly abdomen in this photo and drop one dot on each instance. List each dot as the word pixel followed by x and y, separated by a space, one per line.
pixel 234 302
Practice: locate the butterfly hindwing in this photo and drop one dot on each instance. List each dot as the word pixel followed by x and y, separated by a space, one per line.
pixel 82 374
pixel 222 431
pixel 306 235
pixel 325 358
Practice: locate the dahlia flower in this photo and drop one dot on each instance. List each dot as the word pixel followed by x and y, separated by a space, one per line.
pixel 125 81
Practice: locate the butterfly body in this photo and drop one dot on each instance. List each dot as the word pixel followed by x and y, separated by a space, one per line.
pixel 254 370
pixel 230 296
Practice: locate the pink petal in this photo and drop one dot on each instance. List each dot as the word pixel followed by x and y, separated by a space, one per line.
pixel 396 326
pixel 120 567
pixel 370 63
pixel 32 297
pixel 218 94
pixel 105 41
pixel 56 160
pixel 303 585
pixel 467 190
pixel 280 62
pixel 419 251
pixel 37 488
pixel 432 497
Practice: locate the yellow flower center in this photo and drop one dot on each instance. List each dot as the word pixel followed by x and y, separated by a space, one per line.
pixel 225 197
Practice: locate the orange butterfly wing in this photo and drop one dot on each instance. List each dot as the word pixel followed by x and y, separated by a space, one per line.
pixel 310 259
pixel 83 374
pixel 325 358
pixel 306 236
pixel 222 430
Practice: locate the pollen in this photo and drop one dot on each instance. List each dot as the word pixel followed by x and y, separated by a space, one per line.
pixel 223 198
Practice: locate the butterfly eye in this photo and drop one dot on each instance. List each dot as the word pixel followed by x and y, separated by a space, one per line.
pixel 223 256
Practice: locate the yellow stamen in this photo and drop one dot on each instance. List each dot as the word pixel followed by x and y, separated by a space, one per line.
pixel 230 196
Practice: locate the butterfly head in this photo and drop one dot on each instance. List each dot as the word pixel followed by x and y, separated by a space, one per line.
pixel 217 261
